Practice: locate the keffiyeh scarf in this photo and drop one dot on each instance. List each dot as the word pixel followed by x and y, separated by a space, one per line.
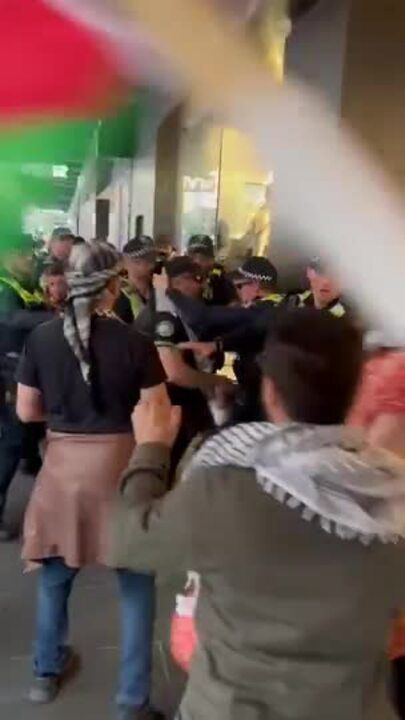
pixel 328 474
pixel 84 290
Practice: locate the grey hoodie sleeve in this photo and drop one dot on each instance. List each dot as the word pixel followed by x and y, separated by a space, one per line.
pixel 151 528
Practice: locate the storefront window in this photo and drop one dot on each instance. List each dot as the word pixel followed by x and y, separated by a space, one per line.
pixel 226 193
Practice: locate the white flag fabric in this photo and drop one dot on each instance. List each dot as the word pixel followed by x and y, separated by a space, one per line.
pixel 331 195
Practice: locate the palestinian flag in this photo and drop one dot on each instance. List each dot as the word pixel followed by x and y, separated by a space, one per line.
pixel 55 64
pixel 65 58
pixel 62 70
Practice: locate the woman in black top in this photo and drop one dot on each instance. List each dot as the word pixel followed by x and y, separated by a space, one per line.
pixel 83 374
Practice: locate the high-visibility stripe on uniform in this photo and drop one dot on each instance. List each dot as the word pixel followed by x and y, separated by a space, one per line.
pixel 337 310
pixel 135 301
pixel 28 298
pixel 275 298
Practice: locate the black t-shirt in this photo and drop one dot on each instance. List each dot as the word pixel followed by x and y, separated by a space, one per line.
pixel 123 362
pixel 123 309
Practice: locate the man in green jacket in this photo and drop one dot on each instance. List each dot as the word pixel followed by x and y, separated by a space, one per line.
pixel 296 529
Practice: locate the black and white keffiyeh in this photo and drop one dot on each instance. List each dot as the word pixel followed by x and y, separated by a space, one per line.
pixel 326 473
pixel 84 290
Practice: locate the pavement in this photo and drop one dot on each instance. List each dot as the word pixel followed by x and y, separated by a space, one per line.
pixel 94 634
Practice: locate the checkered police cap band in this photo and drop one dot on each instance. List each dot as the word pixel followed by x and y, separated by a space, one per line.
pixel 139 247
pixel 198 245
pixel 255 276
pixel 141 252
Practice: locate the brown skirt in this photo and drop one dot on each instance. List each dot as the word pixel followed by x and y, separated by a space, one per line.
pixel 68 513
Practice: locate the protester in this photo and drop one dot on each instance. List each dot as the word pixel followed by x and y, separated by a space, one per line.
pixel 61 243
pixel 54 286
pixel 300 566
pixel 380 401
pixel 84 373
pixel 379 408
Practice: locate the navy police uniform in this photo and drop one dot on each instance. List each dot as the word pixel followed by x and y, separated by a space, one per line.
pixel 21 309
pixel 166 323
pixel 218 289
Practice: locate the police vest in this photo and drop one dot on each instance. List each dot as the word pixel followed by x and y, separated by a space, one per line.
pixel 274 298
pixel 336 308
pixel 28 298
pixel 208 293
pixel 136 301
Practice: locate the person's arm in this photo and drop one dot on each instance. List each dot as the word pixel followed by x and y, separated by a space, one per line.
pixel 176 369
pixel 249 335
pixel 208 321
pixel 179 373
pixel 10 303
pixel 13 313
pixel 151 529
pixel 29 319
pixel 29 406
pixel 157 393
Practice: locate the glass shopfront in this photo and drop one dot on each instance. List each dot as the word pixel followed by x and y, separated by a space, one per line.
pixel 225 192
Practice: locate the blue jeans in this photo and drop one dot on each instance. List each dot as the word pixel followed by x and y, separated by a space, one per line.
pixel 137 602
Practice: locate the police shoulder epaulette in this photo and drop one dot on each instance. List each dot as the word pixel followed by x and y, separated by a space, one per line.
pixel 217 270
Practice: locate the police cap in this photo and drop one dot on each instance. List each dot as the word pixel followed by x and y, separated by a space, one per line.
pixel 201 244
pixel 140 247
pixel 256 269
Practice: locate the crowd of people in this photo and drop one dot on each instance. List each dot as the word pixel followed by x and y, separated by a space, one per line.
pixel 181 417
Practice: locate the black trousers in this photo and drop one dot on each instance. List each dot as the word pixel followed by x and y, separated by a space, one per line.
pixel 196 419
pixel 34 433
pixel 398 685
pixel 12 433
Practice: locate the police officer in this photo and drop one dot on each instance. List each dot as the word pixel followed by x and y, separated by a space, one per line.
pixel 218 289
pixel 324 292
pixel 165 251
pixel 256 281
pixel 139 264
pixel 189 381
pixel 21 309
pixel 256 284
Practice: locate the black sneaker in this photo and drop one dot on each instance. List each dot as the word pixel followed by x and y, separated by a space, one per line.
pixel 45 689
